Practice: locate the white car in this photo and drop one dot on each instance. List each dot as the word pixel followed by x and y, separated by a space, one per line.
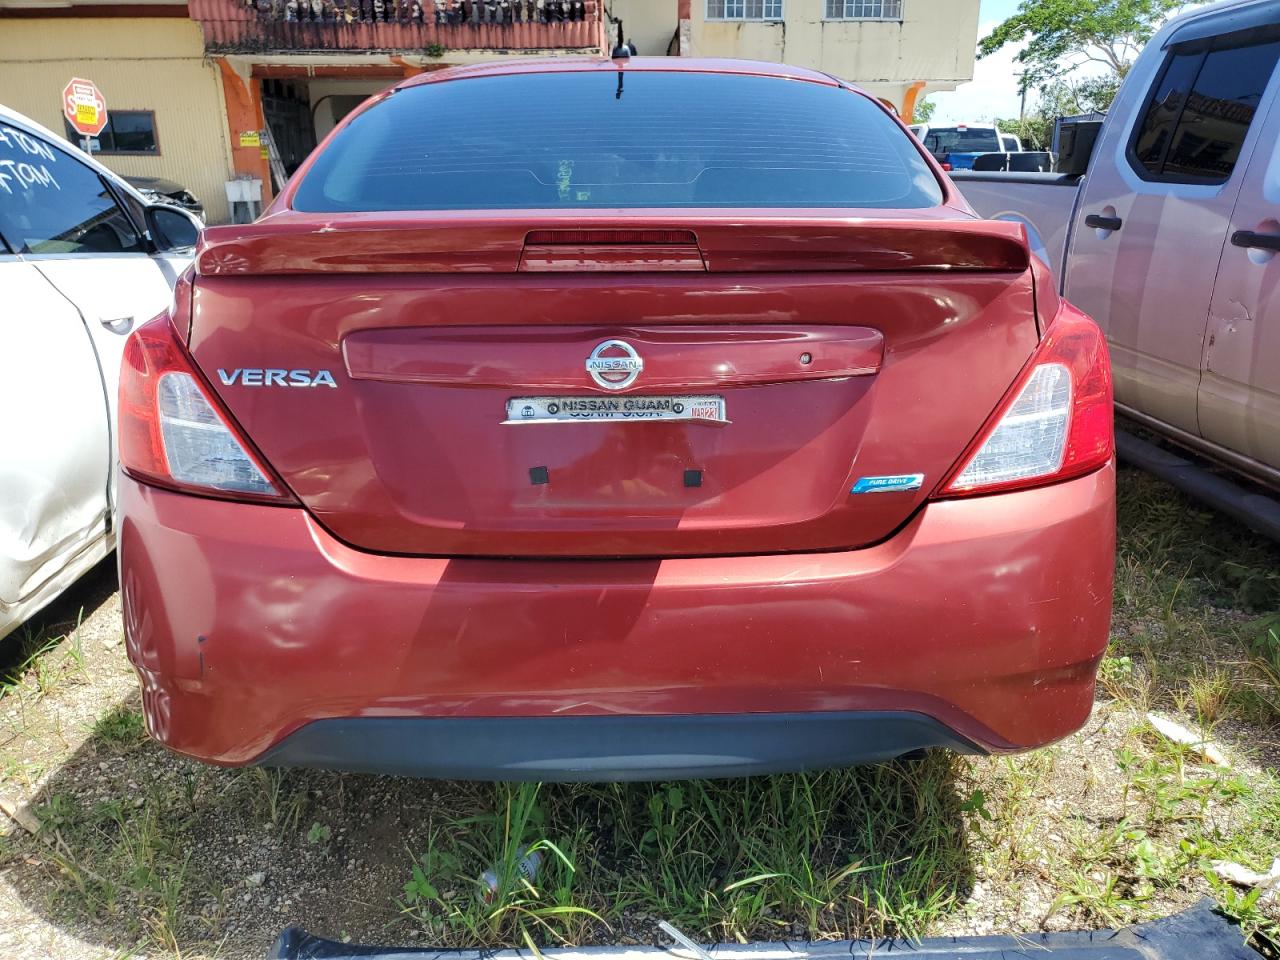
pixel 83 260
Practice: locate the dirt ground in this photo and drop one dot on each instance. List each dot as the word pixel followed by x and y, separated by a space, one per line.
pixel 138 852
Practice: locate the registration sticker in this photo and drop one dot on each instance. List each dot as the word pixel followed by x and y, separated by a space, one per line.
pixel 611 409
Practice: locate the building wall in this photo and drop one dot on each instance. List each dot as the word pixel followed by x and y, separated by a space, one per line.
pixel 139 64
pixel 649 24
pixel 934 43
pixel 331 100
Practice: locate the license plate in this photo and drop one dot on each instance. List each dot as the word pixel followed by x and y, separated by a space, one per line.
pixel 614 409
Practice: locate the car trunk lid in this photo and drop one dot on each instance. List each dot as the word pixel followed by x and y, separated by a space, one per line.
pixel 807 354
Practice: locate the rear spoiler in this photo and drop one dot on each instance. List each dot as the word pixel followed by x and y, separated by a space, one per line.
pixel 292 243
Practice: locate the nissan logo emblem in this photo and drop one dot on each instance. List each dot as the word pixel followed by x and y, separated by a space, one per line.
pixel 614 364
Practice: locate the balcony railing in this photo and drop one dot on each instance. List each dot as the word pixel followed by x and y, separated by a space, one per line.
pixel 441 12
pixel 247 26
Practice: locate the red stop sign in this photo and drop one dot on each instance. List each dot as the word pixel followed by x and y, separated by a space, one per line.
pixel 84 107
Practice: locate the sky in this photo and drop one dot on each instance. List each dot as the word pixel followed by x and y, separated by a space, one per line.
pixel 993 92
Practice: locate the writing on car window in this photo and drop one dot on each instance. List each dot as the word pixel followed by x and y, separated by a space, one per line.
pixel 52 203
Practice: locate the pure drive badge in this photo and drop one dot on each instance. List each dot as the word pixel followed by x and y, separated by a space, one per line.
pixel 891 484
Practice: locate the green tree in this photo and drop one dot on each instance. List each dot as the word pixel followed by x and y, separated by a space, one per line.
pixel 1035 130
pixel 1061 98
pixel 1064 34
pixel 1090 95
pixel 924 111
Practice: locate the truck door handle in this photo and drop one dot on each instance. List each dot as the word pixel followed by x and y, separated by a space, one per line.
pixel 1262 241
pixel 1099 222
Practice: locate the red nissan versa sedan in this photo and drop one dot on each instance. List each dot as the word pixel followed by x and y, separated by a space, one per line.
pixel 615 420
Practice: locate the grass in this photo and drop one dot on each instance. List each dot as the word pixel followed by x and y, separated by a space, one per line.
pixel 1197 608
pixel 890 850
pixel 43 664
pixel 896 849
pixel 121 726
pixel 118 861
pixel 876 849
pixel 1109 827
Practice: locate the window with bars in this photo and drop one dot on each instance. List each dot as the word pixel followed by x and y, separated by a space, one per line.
pixel 864 9
pixel 127 131
pixel 744 9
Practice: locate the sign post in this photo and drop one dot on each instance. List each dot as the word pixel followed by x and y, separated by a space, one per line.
pixel 85 109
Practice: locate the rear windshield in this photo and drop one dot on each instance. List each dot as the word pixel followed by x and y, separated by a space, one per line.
pixel 593 140
pixel 942 140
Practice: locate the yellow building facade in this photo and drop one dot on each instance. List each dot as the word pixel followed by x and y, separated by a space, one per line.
pixel 212 78
pixel 152 64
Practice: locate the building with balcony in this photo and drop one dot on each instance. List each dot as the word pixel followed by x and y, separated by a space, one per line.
pixel 212 91
pixel 194 89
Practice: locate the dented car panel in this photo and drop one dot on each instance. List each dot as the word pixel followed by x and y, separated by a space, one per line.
pixel 76 275
pixel 53 481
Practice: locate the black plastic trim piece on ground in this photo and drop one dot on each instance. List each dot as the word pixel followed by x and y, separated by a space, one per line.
pixel 1199 933
pixel 600 748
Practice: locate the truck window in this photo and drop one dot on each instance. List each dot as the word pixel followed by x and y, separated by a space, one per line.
pixel 943 140
pixel 1199 113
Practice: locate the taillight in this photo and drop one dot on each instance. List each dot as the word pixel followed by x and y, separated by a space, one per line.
pixel 173 431
pixel 1056 421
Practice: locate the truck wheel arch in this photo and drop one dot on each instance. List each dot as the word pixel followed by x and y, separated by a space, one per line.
pixel 1034 240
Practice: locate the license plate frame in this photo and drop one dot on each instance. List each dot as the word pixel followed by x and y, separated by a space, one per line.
pixel 685 408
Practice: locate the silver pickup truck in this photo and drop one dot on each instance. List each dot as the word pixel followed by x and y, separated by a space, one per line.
pixel 1170 237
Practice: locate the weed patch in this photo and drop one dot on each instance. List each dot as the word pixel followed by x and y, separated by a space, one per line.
pixel 873 850
pixel 122 727
pixel 1197 611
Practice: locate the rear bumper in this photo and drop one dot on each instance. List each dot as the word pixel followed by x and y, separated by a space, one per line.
pixel 609 748
pixel 259 638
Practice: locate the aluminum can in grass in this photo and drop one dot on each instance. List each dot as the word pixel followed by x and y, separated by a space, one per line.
pixel 528 863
